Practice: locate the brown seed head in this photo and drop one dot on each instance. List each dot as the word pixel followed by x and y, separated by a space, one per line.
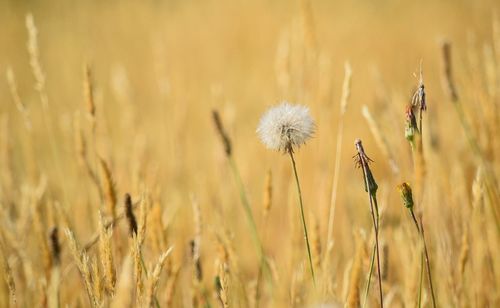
pixel 222 132
pixel 129 213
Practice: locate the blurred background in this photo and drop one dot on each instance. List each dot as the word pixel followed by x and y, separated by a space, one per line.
pixel 158 69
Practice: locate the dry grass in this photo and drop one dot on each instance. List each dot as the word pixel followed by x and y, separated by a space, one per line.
pixel 203 223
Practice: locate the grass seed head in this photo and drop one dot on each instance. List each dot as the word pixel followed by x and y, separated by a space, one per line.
pixel 222 132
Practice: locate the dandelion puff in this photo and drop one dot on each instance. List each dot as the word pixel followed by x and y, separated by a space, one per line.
pixel 286 127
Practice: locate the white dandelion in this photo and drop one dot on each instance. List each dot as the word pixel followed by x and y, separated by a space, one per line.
pixel 286 127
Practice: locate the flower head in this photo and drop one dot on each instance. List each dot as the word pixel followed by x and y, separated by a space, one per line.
pixel 286 127
pixel 406 195
pixel 411 127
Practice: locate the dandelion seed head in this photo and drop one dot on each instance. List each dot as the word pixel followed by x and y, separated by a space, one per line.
pixel 286 127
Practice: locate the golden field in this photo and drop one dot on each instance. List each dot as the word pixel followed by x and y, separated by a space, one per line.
pixel 99 99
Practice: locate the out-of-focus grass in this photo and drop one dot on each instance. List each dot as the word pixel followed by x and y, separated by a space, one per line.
pixel 159 68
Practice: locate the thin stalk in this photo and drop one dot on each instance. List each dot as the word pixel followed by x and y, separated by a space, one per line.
pixel 259 274
pixel 369 278
pixel 340 132
pixel 248 211
pixel 421 260
pixel 450 88
pixel 376 220
pixel 421 280
pixel 420 122
pixel 336 176
pixel 490 175
pixel 420 230
pixel 419 297
pixel 302 216
pixel 428 266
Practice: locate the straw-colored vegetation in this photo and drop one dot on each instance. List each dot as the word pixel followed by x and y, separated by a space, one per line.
pixel 132 175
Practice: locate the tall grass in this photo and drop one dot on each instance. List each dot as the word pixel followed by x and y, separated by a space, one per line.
pixel 125 196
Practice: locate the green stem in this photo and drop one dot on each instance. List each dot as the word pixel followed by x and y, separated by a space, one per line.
pixel 303 216
pixel 376 225
pixel 421 279
pixel 376 221
pixel 251 221
pixel 420 230
pixel 429 276
pixel 369 278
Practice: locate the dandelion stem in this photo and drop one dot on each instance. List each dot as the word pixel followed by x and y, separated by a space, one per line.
pixel 302 215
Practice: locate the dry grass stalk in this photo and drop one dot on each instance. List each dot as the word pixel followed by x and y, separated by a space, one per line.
pixel 490 177
pixel 196 243
pixel 268 194
pixel 143 215
pixel 346 93
pixel 9 278
pixel 124 288
pixel 97 280
pixel 224 286
pixel 34 54
pixel 39 77
pixel 81 150
pixel 88 91
pixel 380 139
pixel 282 65
pixel 353 297
pixel 267 203
pixel 158 237
pixel 108 187
pixel 154 279
pixel 316 242
pixel 136 249
pixel 463 257
pixel 82 262
pixel 14 93
pixel 447 76
pixel 170 287
pixel 224 254
pixel 42 240
pixel 106 255
pixel 307 24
